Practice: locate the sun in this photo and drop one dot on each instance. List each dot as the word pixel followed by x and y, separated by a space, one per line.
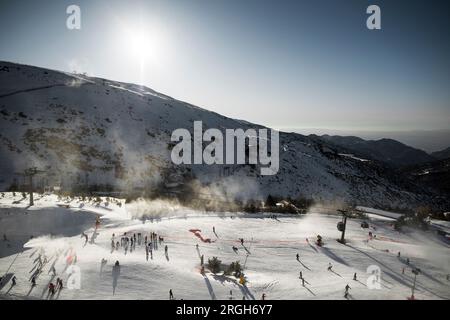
pixel 141 45
pixel 145 44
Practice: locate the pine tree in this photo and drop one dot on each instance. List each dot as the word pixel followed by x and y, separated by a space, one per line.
pixel 214 265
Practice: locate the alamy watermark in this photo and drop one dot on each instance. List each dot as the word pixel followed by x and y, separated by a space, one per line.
pixel 374 20
pixel 73 21
pixel 237 151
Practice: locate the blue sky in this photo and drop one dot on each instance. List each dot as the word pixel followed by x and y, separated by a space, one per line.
pixel 286 64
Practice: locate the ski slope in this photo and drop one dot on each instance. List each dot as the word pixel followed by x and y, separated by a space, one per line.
pixel 270 266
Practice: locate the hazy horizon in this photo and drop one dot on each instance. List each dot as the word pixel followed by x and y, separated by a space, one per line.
pixel 426 140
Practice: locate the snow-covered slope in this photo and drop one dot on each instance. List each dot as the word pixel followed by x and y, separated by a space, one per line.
pixel 90 131
pixel 269 255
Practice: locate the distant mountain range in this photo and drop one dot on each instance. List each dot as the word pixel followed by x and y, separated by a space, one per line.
pixel 441 155
pixel 430 170
pixel 387 151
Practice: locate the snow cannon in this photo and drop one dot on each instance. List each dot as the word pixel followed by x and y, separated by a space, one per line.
pixel 340 226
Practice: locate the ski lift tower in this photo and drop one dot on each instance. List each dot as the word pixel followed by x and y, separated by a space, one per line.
pixel 30 173
pixel 416 272
pixel 342 225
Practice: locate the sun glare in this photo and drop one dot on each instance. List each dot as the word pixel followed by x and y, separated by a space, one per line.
pixel 140 45
pixel 144 44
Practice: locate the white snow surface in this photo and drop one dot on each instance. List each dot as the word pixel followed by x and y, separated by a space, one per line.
pixel 270 268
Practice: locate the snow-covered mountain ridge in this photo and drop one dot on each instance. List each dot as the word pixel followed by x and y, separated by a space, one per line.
pixel 92 131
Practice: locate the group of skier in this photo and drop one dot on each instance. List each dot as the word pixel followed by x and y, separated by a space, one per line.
pixel 329 268
pixel 129 241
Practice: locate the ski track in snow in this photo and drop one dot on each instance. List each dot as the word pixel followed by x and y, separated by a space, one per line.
pixel 269 255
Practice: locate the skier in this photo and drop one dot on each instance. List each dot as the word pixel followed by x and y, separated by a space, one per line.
pixel 59 284
pixel 85 236
pixel 242 241
pixel 115 274
pixel 166 249
pixel 263 297
pixel 235 249
pixel 51 288
pixel 303 282
pixel 319 241
pixel 196 246
pixel 13 280
pixel 201 260
pixel 330 266
pixel 231 295
pixel 170 294
pixel 214 230
pixel 33 281
pixel 97 223
pixel 298 257
pixel 103 263
pixel 346 291
pixel 52 270
pixel 403 270
pixel 301 275
pixel 346 288
pixel 407 261
pixel 398 254
pixel 354 277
